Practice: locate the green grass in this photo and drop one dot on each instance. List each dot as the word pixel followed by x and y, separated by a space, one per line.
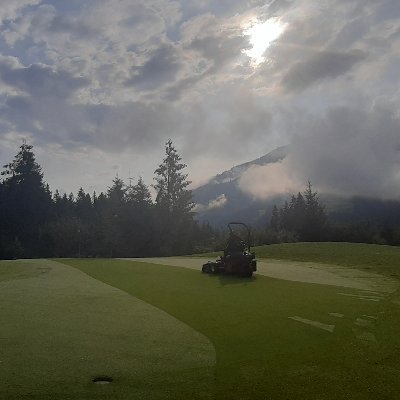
pixel 13 270
pixel 169 332
pixel 261 353
pixel 60 328
pixel 375 258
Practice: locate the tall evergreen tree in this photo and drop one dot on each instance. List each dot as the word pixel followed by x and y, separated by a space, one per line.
pixel 27 200
pixel 173 203
pixel 139 194
pixel 116 192
pixel 274 222
pixel 113 217
pixel 172 193
pixel 316 220
pixel 139 221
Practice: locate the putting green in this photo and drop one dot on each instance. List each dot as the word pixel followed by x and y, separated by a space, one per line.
pixel 61 328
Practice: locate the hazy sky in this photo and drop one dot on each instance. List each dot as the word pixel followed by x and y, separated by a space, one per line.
pixel 98 86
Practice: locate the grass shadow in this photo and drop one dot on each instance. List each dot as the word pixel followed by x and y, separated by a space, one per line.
pixel 226 280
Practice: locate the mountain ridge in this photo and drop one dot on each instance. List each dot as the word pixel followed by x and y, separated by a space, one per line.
pixel 235 172
pixel 221 199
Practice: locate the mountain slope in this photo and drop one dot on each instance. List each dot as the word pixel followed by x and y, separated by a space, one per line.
pixel 221 200
pixel 236 172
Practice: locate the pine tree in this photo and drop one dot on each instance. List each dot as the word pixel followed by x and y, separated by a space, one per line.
pixel 27 200
pixel 173 203
pixel 139 194
pixel 172 193
pixel 275 223
pixel 83 205
pixel 23 169
pixel 113 217
pixel 117 191
pixel 139 221
pixel 303 218
pixel 316 220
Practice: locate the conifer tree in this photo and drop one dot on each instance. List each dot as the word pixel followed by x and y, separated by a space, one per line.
pixel 139 194
pixel 173 203
pixel 304 216
pixel 172 193
pixel 316 219
pixel 139 221
pixel 274 223
pixel 27 200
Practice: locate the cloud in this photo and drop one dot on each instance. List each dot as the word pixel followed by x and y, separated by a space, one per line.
pixel 350 151
pixel 119 77
pixel 39 80
pixel 9 10
pixel 263 182
pixel 42 102
pixel 321 66
pixel 219 202
pixel 161 68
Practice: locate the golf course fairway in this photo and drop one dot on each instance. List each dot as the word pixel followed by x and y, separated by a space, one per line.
pixel 171 332
pixel 61 329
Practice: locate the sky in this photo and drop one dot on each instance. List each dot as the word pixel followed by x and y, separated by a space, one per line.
pixel 99 86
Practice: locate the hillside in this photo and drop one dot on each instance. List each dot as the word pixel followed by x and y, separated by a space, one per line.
pixel 221 199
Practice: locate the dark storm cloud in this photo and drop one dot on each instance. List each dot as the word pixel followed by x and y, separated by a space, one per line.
pixel 322 66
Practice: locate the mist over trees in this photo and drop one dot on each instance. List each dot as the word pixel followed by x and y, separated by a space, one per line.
pixel 125 221
pixel 304 219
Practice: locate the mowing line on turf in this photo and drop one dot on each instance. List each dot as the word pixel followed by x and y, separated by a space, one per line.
pixel 315 324
pixel 61 328
pixel 260 352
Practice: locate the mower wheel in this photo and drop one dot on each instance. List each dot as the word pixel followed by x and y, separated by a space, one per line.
pixel 247 273
pixel 206 269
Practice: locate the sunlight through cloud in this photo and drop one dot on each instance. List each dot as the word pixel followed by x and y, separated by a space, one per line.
pixel 261 35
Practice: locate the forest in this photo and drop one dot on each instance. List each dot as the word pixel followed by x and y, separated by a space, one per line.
pixel 126 221
pixel 122 222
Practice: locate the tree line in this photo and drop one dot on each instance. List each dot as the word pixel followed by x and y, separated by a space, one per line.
pixel 305 219
pixel 125 221
pixel 122 222
pixel 302 219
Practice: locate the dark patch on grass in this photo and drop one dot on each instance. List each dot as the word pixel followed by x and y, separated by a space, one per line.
pixel 102 380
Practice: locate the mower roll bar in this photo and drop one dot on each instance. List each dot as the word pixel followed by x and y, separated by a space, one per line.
pixel 247 228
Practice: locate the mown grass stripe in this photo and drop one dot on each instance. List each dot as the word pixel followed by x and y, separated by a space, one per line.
pixel 260 352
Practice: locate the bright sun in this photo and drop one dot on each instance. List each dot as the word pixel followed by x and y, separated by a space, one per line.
pixel 262 34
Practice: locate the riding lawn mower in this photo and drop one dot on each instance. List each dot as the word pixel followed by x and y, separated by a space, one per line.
pixel 237 258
